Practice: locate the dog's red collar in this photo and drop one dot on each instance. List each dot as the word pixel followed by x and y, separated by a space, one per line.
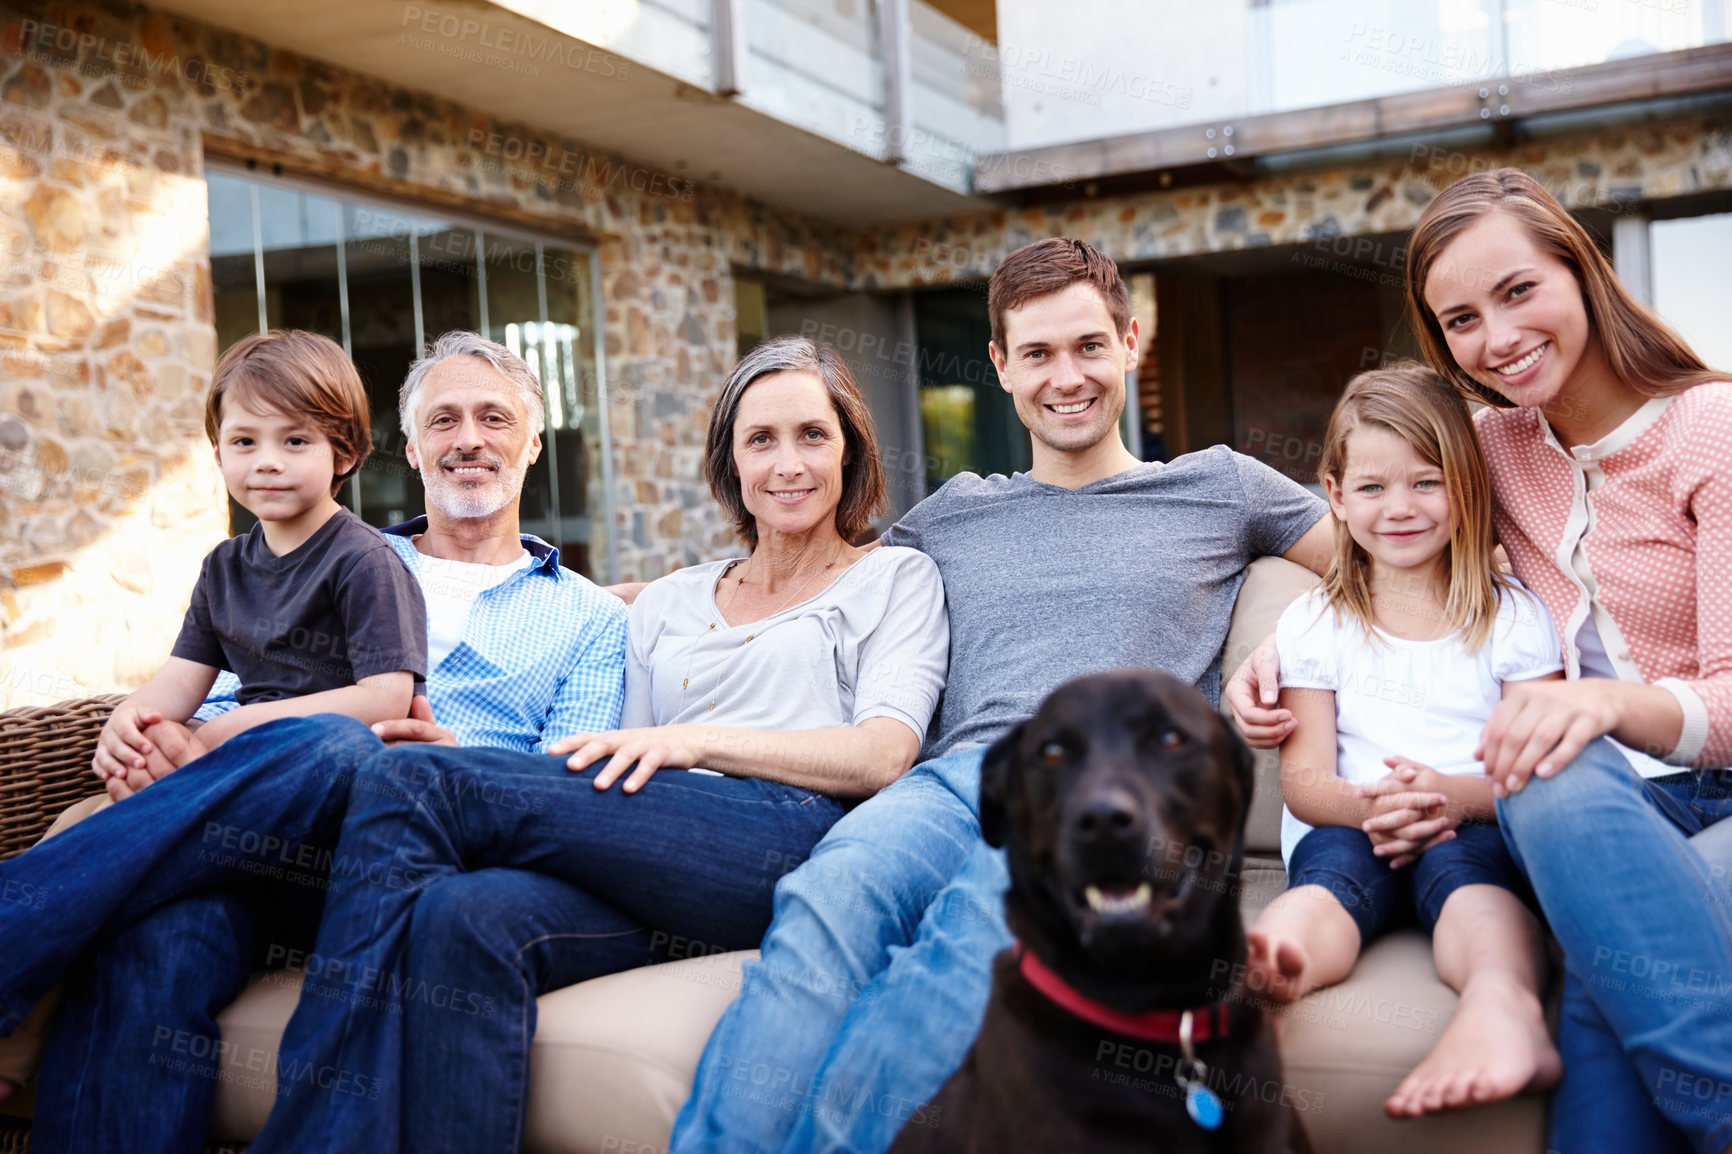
pixel 1207 1022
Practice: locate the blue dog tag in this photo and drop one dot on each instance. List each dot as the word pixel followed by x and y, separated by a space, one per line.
pixel 1203 1106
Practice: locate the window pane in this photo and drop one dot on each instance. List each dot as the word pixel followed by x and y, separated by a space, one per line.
pixel 450 298
pixel 568 372
pixel 300 245
pixel 383 335
pixel 233 279
pixel 409 278
pixel 1692 282
pixel 969 423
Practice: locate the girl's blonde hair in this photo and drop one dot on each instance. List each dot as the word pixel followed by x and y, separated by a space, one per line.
pixel 1420 407
pixel 1642 352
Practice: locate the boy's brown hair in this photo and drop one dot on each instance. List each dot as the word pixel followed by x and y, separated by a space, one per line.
pixel 294 372
pixel 1049 266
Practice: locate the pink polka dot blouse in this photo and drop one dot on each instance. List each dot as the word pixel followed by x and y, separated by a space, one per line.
pixel 1632 533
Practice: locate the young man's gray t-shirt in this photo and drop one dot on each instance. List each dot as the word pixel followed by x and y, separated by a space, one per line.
pixel 1140 569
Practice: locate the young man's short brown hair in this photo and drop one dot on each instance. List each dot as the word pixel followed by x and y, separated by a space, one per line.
pixel 1049 266
pixel 297 373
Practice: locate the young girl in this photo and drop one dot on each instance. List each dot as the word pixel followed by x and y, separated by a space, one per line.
pixel 1391 669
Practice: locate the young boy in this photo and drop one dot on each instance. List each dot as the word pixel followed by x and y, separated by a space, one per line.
pixel 312 609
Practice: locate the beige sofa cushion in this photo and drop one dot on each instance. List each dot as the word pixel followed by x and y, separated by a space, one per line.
pixel 613 1058
pixel 1271 584
pixel 1350 1045
pixel 611 1063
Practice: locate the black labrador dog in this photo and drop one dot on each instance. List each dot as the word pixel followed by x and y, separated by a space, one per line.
pixel 1121 805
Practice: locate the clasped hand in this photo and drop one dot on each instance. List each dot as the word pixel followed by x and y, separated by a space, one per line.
pixel 1410 815
pixel 670 746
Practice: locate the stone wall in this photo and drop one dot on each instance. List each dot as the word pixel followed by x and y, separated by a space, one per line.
pixel 110 492
pixel 1602 168
pixel 108 495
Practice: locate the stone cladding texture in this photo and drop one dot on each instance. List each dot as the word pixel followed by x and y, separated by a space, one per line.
pixel 108 493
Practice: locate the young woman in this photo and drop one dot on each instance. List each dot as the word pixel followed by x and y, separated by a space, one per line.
pixel 1607 440
pixel 1401 655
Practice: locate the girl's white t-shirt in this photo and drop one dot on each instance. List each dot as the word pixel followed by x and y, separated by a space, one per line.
pixel 1426 700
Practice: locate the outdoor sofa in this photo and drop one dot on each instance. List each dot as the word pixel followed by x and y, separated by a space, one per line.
pixel 613 1057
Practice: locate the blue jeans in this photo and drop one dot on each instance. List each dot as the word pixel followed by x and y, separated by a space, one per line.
pixel 872 983
pixel 504 936
pixel 1643 920
pixel 153 901
pixel 691 855
pixel 130 1061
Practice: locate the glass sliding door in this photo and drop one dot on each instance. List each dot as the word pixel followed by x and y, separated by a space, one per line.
pixel 383 281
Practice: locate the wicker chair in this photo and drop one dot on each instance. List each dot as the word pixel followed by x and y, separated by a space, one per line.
pixel 48 750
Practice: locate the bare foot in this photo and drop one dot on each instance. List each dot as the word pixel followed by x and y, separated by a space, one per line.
pixel 173 745
pixel 1275 967
pixel 1495 1047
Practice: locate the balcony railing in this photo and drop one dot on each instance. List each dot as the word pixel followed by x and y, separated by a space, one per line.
pixel 1307 53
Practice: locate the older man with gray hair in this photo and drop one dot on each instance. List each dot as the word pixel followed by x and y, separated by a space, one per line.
pixel 160 906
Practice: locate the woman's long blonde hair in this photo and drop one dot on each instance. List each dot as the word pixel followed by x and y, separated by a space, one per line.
pixel 1419 406
pixel 1640 349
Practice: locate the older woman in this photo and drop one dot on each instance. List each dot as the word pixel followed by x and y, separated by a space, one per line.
pixel 468 881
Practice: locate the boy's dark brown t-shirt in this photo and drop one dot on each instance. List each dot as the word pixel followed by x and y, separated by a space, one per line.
pixel 341 607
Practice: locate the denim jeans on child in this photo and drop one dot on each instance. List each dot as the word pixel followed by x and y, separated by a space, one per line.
pixel 1341 860
pixel 1646 926
pixel 872 983
pixel 689 854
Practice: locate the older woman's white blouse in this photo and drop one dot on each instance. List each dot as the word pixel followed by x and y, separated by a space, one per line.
pixel 874 643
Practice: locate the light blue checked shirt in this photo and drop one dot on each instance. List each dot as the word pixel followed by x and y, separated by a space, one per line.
pixel 542 655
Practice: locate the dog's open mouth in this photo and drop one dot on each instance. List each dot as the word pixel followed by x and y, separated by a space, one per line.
pixel 1124 900
pixel 1115 899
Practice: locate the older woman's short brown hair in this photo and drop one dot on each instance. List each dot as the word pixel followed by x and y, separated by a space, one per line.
pixel 298 374
pixel 862 471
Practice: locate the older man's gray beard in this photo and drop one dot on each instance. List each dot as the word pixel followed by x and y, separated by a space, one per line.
pixel 463 501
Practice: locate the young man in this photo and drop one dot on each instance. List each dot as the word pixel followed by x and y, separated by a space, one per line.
pixel 875 973
pixel 166 886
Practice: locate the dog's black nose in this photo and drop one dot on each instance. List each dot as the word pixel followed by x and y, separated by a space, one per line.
pixel 1110 812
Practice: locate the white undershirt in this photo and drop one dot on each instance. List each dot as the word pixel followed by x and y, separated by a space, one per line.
pixel 1596 662
pixel 1599 648
pixel 450 588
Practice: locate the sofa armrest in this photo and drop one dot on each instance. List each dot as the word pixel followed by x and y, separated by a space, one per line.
pixel 47 751
pixel 1271 584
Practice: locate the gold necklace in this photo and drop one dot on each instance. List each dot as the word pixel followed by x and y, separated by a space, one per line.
pixel 792 598
pixel 716 690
